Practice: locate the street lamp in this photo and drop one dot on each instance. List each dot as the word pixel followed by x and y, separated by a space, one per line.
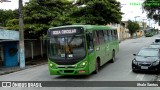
pixel 143 22
pixel 149 22
pixel 135 21
pixel 122 29
pixel 136 17
pixel 127 13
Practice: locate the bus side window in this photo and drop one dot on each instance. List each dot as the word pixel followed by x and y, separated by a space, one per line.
pixel 90 44
pixel 95 38
pixel 101 36
pixel 106 36
pixel 115 33
pixel 110 35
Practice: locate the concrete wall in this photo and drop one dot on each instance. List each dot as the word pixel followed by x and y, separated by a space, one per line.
pixel 123 32
pixel 34 48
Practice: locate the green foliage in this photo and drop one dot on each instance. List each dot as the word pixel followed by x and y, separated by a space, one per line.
pixel 12 24
pixel 133 27
pixel 153 9
pixel 99 12
pixel 39 15
pixel 6 15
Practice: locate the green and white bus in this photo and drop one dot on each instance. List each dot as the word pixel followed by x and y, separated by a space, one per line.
pixel 80 49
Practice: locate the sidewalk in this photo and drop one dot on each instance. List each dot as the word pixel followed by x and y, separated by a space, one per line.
pixel 29 64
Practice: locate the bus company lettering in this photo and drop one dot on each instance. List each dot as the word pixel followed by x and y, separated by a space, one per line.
pixel 56 32
pixel 71 31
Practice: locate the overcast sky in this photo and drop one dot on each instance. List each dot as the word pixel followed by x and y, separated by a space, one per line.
pixel 130 11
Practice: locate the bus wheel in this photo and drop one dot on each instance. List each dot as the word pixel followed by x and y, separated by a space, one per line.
pixel 97 67
pixel 113 57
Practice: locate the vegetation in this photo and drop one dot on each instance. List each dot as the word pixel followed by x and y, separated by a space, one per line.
pixel 6 15
pixel 39 15
pixel 100 12
pixel 133 27
pixel 153 9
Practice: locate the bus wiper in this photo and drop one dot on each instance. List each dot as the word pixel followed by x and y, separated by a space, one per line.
pixel 71 39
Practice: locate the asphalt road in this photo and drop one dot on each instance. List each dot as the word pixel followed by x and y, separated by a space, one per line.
pixel 120 70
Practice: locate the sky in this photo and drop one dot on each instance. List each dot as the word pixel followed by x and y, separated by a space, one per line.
pixel 130 11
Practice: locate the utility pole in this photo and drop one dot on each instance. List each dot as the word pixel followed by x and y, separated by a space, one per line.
pixel 143 23
pixel 136 17
pixel 21 37
pixel 149 22
pixel 135 21
pixel 121 35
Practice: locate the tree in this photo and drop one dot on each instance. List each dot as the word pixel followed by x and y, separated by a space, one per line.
pixel 133 27
pixel 153 9
pixel 40 15
pixel 100 12
pixel 7 15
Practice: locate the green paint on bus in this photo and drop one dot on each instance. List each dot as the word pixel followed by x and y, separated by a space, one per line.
pixel 80 49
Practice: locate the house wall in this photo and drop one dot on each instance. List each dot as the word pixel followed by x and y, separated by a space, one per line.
pixel 33 48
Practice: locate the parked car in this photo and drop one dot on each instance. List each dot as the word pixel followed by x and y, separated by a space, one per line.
pixel 149 34
pixel 157 40
pixel 155 45
pixel 148 59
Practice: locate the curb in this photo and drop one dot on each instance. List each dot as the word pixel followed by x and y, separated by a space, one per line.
pixel 19 69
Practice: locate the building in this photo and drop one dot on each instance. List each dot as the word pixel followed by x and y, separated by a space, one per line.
pixel 143 26
pixel 123 32
pixel 9 48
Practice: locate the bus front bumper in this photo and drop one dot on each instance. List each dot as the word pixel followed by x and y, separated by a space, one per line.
pixel 68 71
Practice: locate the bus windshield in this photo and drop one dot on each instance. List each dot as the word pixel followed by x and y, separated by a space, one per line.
pixel 67 47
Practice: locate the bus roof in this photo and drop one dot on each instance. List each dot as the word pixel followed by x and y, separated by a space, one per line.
pixel 88 27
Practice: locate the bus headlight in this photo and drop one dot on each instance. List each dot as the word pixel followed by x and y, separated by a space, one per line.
pixel 51 65
pixel 83 64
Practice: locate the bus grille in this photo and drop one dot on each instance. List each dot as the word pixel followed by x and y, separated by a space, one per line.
pixel 65 63
pixel 68 71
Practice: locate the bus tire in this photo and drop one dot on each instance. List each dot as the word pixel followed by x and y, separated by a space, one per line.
pixel 97 67
pixel 113 57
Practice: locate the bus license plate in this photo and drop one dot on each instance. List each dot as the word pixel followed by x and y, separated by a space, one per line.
pixel 144 67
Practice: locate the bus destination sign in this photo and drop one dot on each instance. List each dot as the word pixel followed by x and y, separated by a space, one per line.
pixel 66 31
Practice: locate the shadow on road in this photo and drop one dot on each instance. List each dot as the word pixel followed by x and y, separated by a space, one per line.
pixel 73 77
pixel 82 77
pixel 148 72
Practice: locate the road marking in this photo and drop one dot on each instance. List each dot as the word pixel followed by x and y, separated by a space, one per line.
pixel 140 77
pixel 129 72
